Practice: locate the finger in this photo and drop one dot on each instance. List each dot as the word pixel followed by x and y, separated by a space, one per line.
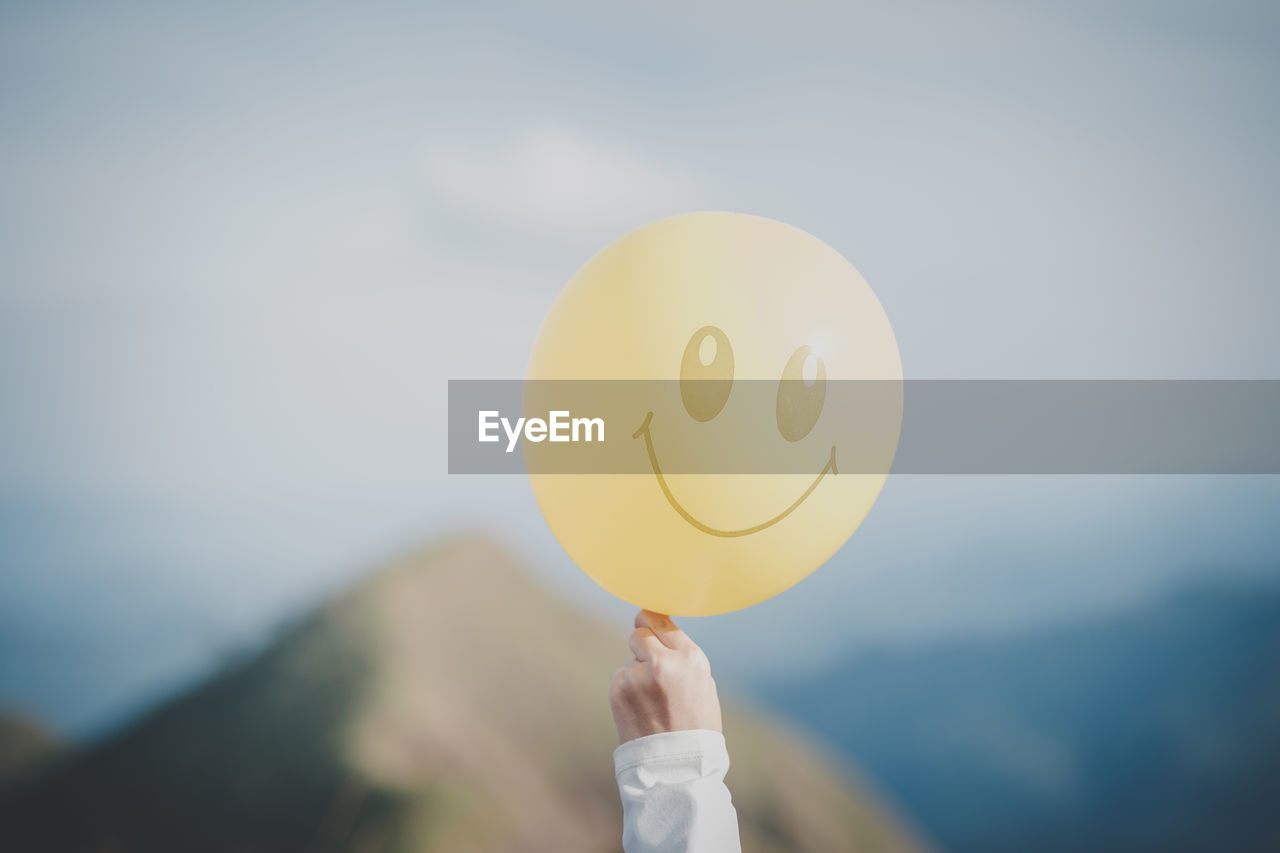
pixel 664 629
pixel 645 644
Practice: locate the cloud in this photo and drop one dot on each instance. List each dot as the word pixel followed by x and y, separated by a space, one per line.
pixel 554 181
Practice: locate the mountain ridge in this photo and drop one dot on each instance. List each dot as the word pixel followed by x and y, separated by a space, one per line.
pixel 1152 728
pixel 446 703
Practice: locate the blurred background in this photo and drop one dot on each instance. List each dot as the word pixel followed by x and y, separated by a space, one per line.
pixel 244 246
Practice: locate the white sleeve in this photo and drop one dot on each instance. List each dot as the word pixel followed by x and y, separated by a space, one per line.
pixel 673 794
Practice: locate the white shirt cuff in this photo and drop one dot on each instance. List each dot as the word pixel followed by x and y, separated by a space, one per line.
pixel 673 795
pixel 687 754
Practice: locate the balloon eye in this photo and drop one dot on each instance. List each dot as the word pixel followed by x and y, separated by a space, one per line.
pixel 801 393
pixel 706 373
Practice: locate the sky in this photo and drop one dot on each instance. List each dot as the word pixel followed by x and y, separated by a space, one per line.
pixel 243 248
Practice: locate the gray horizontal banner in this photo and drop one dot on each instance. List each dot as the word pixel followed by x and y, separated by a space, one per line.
pixel 819 426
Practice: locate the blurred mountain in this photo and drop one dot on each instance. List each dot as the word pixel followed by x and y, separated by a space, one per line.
pixel 447 704
pixel 24 745
pixel 1152 729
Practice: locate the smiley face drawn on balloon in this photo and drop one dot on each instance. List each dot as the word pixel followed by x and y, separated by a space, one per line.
pixel 743 333
pixel 706 381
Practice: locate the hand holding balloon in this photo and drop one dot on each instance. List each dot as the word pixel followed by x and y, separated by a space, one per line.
pixel 667 688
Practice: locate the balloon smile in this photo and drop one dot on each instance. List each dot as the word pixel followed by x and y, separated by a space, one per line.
pixel 830 467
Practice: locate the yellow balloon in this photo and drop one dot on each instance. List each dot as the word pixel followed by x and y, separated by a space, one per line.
pixel 723 298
